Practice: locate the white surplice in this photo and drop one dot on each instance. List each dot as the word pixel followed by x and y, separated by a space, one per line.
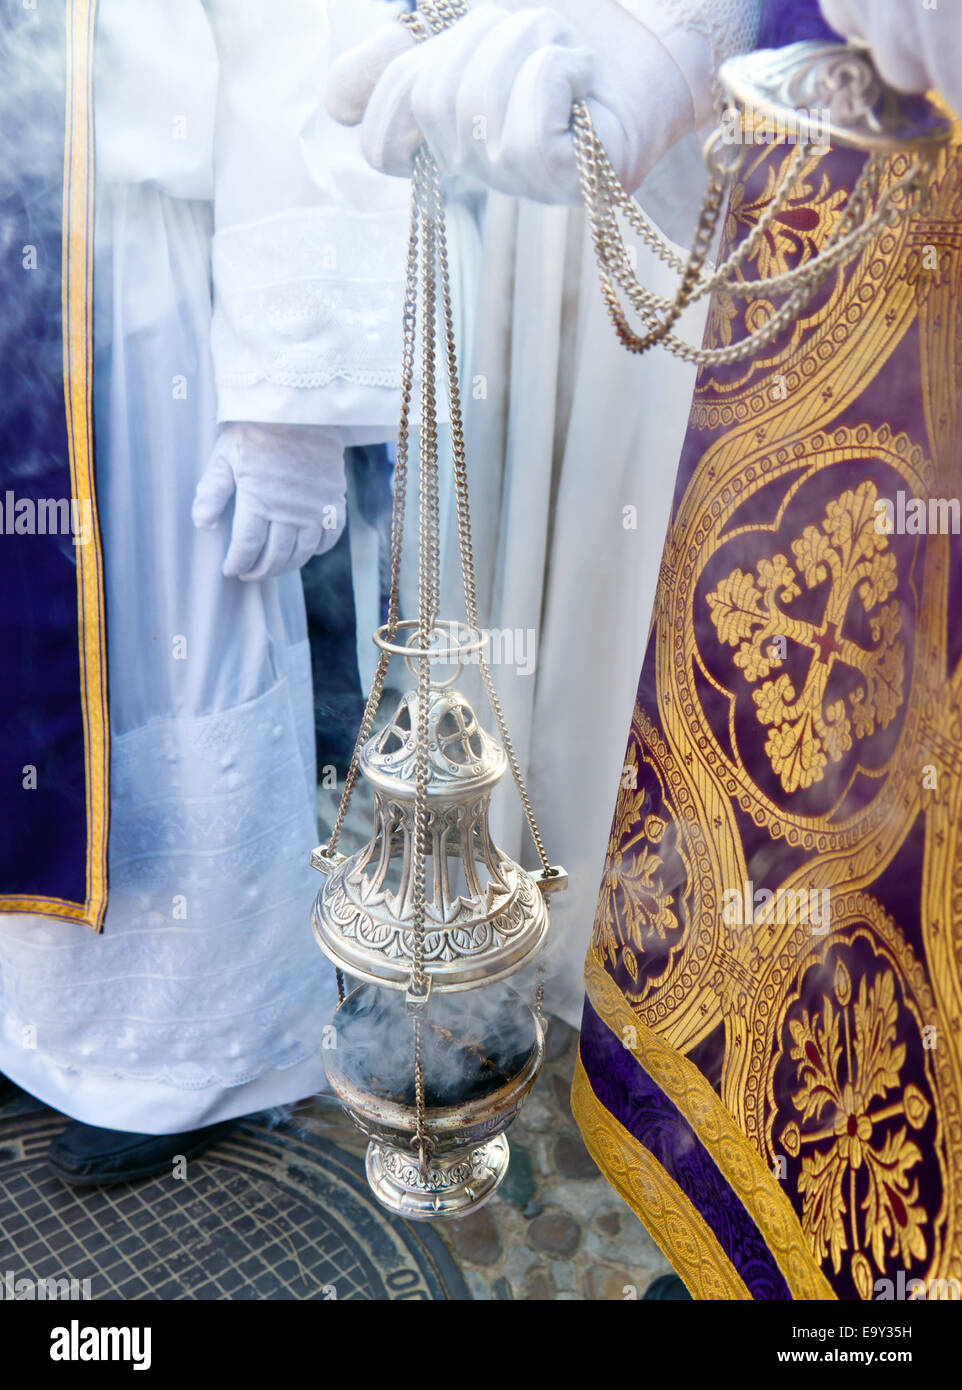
pixel 572 454
pixel 205 997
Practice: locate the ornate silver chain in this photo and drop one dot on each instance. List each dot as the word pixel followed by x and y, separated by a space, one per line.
pixel 428 279
pixel 604 198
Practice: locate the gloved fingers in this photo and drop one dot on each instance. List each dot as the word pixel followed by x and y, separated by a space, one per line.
pixel 277 555
pixel 459 103
pixel 391 132
pixel 437 89
pixel 310 541
pixel 214 491
pixel 352 79
pixel 899 56
pixel 538 159
pixel 334 475
pixel 247 539
pixel 843 16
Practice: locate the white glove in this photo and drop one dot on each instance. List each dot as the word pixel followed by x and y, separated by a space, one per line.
pixel 914 48
pixel 289 491
pixel 492 95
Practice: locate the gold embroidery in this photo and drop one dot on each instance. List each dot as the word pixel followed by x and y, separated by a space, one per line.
pixel 695 873
pixel 888 685
pixel 749 612
pixel 874 296
pixel 722 318
pixel 636 1175
pixel 739 1163
pixel 634 904
pixel 873 1062
pixel 777 988
pixel 831 1095
pixel 807 217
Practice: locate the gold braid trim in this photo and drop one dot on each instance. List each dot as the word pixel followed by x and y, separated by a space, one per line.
pixel 736 1159
pixel 680 1230
pixel 78 381
pixel 77 330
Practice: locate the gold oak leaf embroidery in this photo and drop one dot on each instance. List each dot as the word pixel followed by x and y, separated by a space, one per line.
pixel 792 237
pixel 722 313
pixel 633 903
pixel 845 1116
pixel 797 229
pixel 749 610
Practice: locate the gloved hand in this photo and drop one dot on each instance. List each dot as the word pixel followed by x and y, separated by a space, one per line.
pixel 289 494
pixel 914 48
pixel 492 95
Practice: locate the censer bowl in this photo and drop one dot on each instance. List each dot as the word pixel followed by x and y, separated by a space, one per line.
pixel 467 1111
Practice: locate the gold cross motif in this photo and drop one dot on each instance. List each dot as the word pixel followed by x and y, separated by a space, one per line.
pixel 750 609
pixel 849 1062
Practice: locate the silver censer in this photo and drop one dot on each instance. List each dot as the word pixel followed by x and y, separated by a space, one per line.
pixel 484 919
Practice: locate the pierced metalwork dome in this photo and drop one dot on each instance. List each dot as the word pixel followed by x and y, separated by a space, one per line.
pixel 463 759
pixel 485 917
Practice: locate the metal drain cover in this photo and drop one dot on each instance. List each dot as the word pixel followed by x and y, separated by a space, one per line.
pixel 266 1214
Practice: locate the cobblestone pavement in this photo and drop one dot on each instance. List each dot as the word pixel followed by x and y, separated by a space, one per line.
pixel 555 1229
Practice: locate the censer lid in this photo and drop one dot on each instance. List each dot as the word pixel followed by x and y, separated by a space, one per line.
pixel 463 758
pixel 484 916
pixel 831 93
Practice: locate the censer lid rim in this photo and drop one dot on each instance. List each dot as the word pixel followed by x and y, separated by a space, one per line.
pixel 441 983
pixel 491 966
pixel 758 81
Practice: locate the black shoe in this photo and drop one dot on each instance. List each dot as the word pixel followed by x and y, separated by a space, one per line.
pixel 8 1089
pixel 85 1156
pixel 667 1286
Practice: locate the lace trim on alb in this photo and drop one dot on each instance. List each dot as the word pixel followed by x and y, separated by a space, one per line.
pixel 309 299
